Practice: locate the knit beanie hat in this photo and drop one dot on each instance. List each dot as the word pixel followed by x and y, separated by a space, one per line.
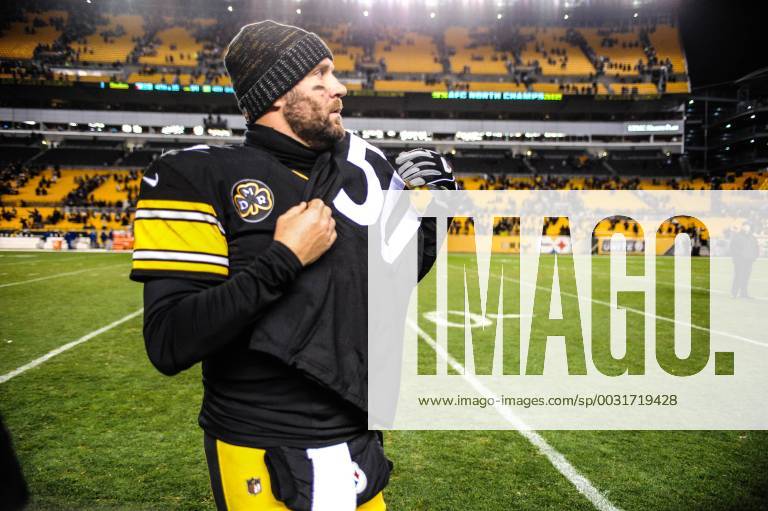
pixel 266 59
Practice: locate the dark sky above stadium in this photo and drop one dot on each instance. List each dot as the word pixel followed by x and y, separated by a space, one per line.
pixel 723 40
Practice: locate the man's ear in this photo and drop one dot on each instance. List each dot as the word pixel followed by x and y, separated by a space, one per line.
pixel 278 104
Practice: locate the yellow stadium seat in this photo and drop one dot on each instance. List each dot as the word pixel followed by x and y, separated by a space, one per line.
pixel 408 52
pixel 116 49
pixel 545 87
pixel 176 43
pixel 15 43
pixel 496 86
pixel 407 86
pixel 666 41
pixel 642 88
pixel 548 39
pixel 678 87
pixel 480 59
pixel 626 56
pixel 353 85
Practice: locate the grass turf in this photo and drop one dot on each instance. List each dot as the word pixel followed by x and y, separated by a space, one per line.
pixel 98 428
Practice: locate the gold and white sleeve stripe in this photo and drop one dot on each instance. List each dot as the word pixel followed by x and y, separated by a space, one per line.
pixel 179 236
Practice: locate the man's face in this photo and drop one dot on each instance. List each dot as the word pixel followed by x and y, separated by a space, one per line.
pixel 313 107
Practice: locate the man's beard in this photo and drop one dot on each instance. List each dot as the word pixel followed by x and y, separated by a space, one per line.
pixel 311 122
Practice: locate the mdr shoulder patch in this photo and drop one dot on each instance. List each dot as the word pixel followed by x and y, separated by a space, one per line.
pixel 253 200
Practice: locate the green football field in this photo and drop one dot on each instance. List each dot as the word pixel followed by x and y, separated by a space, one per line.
pixel 96 427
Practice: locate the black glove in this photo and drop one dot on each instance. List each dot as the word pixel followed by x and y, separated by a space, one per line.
pixel 423 167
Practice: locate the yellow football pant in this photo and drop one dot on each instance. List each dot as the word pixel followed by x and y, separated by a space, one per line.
pixel 240 480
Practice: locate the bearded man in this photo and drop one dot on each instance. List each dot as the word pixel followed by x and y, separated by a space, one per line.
pixel 253 259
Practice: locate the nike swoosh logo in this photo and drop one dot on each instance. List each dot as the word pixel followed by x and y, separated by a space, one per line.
pixel 150 181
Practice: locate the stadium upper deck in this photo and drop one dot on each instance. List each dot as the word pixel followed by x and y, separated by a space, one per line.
pixel 82 42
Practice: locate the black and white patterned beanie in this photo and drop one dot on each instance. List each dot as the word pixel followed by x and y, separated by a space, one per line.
pixel 266 59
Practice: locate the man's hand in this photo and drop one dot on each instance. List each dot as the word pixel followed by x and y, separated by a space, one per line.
pixel 423 167
pixel 308 229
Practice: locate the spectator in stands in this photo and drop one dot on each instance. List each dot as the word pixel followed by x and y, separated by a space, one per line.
pixel 744 251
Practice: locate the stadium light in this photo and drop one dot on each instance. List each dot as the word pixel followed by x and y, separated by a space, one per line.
pixel 635 15
pixel 499 16
pixel 229 8
pixel 752 116
pixel 432 15
pixel 87 1
pixel 378 134
pixel 565 17
pixel 173 129
pixel 298 11
pixel 728 125
pixel 690 101
pixel 752 141
pixel 365 13
pixel 469 136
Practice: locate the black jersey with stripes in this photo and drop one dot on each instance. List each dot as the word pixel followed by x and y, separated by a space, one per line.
pixel 219 289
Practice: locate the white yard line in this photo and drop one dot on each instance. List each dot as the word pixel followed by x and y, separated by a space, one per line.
pixel 643 313
pixel 61 349
pixel 687 288
pixel 33 259
pixel 582 484
pixel 57 275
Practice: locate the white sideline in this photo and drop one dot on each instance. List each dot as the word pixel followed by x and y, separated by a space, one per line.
pixel 61 349
pixel 35 260
pixel 640 312
pixel 582 484
pixel 65 274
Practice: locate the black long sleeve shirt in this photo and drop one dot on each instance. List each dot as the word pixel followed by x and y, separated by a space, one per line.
pixel 197 312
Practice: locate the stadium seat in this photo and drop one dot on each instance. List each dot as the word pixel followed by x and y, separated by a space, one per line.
pixel 635 88
pixel 480 59
pixel 407 86
pixel 117 49
pixel 666 41
pixel 15 43
pixel 496 86
pixel 678 87
pixel 408 52
pixel 545 87
pixel 626 51
pixel 547 39
pixel 175 43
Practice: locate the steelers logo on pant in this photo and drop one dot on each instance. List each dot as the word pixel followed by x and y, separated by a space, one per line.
pixel 361 480
pixel 253 200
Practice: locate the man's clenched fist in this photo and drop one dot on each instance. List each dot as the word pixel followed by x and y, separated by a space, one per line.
pixel 308 229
